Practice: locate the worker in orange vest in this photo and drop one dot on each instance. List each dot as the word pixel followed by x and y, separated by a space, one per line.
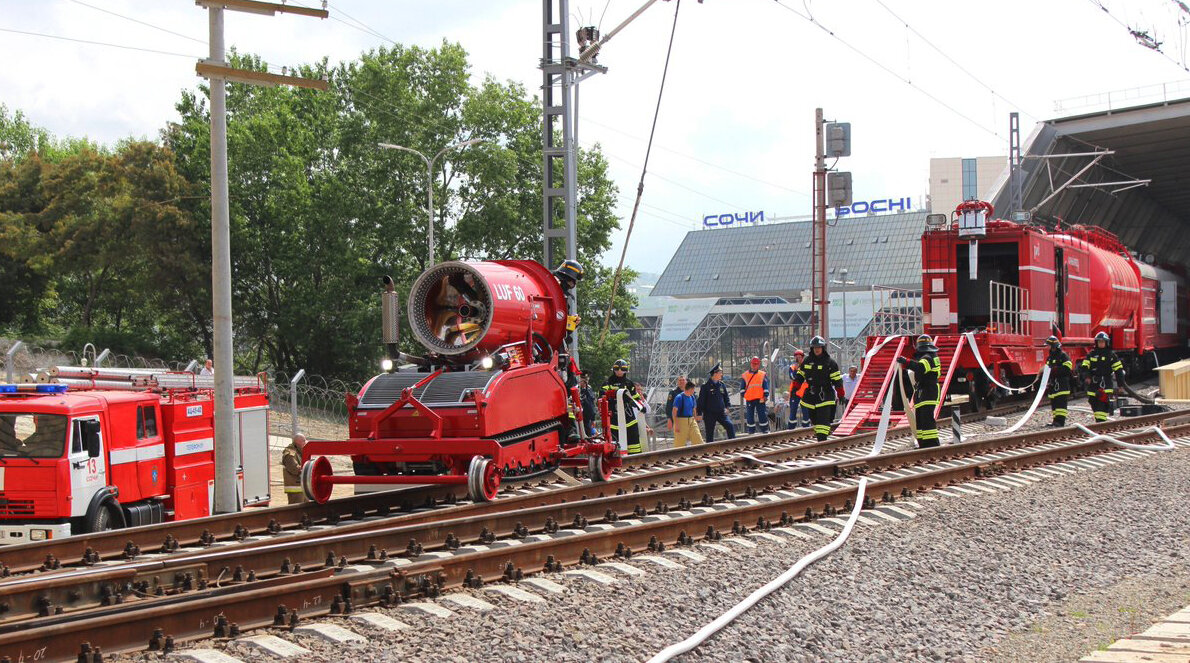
pixel 754 392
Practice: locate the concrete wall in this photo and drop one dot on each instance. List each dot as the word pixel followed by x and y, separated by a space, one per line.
pixel 946 180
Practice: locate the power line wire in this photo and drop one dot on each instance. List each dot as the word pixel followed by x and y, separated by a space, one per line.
pixel 881 65
pixel 135 20
pixel 100 43
pixel 699 159
pixel 679 184
pixel 640 187
pixel 1100 5
pixel 951 60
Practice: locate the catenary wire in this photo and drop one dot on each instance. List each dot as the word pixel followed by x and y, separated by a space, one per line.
pixel 951 60
pixel 886 68
pixel 100 43
pixel 640 187
pixel 136 20
pixel 678 184
pixel 691 157
pixel 1100 5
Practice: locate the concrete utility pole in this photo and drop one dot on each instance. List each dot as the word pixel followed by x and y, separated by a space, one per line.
pixel 820 292
pixel 215 69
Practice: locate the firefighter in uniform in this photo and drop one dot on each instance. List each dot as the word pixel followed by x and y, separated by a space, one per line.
pixel 926 368
pixel 754 391
pixel 812 384
pixel 619 380
pixel 291 462
pixel 1061 373
pixel 714 404
pixel 1097 369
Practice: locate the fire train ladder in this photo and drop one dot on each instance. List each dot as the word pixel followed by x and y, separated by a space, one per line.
pixel 863 410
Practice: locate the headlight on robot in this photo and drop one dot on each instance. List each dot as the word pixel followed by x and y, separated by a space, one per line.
pixel 386 364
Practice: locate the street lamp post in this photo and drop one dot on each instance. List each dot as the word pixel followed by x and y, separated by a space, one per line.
pixel 842 280
pixel 430 182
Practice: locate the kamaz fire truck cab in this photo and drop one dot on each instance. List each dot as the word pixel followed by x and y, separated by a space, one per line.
pixel 86 460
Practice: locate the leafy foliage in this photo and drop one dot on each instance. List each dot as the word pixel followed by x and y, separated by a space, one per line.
pixel 114 244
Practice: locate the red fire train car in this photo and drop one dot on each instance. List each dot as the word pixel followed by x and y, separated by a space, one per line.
pixel 488 402
pixel 993 290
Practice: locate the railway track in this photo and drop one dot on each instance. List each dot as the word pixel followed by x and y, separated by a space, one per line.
pixel 422 503
pixel 336 570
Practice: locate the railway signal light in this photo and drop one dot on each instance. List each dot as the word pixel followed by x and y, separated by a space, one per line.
pixel 838 189
pixel 838 139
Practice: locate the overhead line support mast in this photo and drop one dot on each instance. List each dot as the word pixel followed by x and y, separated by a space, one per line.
pixel 215 69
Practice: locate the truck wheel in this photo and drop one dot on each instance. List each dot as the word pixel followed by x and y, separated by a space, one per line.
pixel 102 520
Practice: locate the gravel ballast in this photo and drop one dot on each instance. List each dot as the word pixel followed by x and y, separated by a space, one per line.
pixel 1046 572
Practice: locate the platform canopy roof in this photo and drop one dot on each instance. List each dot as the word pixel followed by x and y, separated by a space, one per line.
pixel 1150 142
pixel 774 259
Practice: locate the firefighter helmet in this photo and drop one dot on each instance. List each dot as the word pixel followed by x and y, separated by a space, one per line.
pixel 818 342
pixel 755 362
pixel 569 270
pixel 1102 336
pixel 1053 342
pixel 799 353
pixel 621 364
pixel 926 344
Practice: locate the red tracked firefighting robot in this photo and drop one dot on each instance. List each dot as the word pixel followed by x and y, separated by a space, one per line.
pixel 492 398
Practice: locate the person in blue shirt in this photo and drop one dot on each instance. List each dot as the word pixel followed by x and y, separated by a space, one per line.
pixel 685 417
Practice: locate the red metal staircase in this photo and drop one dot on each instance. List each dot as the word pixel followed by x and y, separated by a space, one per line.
pixel 863 410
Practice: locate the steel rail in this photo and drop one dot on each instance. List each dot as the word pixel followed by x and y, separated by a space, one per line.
pixel 27 597
pixel 125 543
pixel 253 606
pixel 21 599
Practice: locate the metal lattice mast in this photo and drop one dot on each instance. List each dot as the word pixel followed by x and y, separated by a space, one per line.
pixel 559 160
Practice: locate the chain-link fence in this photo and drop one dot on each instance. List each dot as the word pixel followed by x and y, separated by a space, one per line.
pixel 321 404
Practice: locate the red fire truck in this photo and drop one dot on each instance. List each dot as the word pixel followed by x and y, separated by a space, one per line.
pixel 108 452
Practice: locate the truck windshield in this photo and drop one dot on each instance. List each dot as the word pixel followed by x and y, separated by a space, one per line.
pixel 32 435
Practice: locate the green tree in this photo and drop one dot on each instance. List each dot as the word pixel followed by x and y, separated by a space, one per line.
pixel 320 212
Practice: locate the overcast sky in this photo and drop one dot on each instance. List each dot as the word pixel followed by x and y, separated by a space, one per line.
pixel 736 128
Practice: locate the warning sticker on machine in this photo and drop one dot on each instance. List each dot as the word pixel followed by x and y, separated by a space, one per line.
pixel 193 410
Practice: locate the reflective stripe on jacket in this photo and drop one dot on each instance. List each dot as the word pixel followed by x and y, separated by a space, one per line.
pixel 754 385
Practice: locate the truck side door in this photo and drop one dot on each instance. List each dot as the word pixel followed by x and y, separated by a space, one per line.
pixel 87 473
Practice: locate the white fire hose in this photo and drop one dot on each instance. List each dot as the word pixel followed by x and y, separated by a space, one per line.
pixel 1045 378
pixel 743 606
pixel 877 444
pixel 979 358
pixel 1168 445
pixel 622 417
pixel 726 618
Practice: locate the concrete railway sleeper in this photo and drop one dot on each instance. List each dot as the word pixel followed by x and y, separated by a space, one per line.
pixel 159 624
pixel 155 574
pixel 665 465
pixel 890 478
pixel 141 575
